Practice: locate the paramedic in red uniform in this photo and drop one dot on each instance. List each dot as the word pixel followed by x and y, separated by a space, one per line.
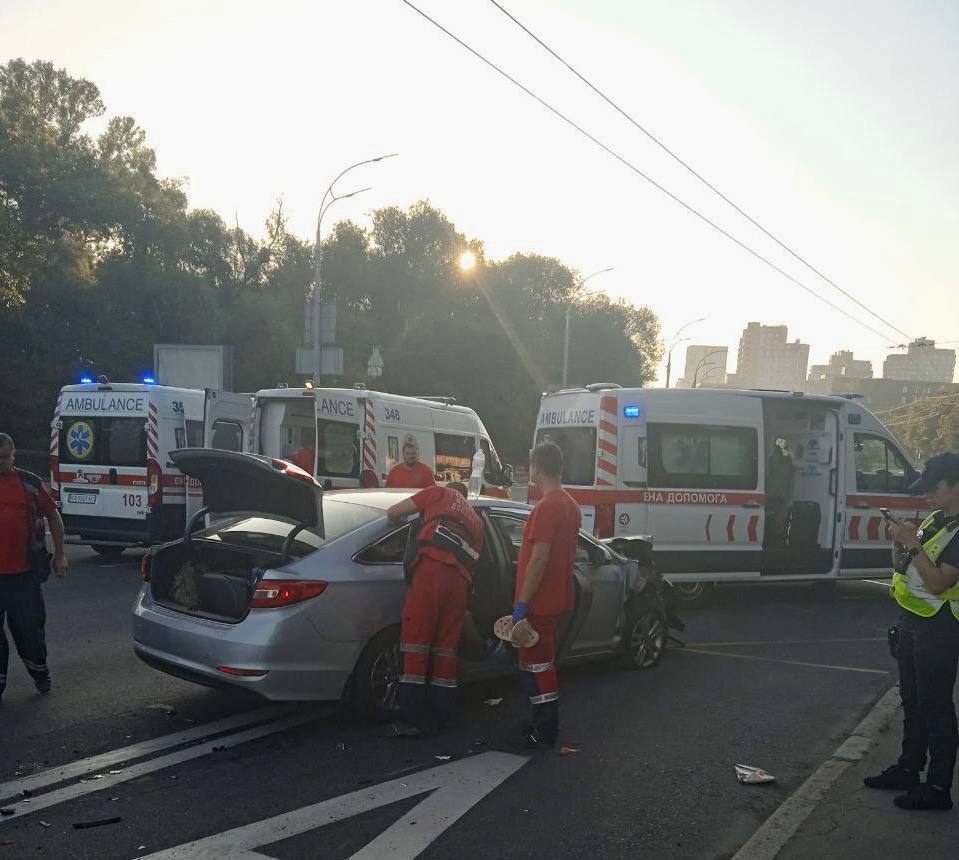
pixel 24 505
pixel 435 607
pixel 411 474
pixel 544 588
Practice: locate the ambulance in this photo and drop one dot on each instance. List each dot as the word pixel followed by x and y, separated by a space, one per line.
pixel 733 485
pixel 109 457
pixel 362 434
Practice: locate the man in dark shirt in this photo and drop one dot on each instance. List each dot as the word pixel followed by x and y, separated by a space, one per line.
pixel 25 503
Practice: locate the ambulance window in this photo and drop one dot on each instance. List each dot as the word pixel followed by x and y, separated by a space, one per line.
pixel 339 453
pixel 578 445
pixel 454 457
pixel 690 455
pixel 104 441
pixel 194 434
pixel 880 468
pixel 227 436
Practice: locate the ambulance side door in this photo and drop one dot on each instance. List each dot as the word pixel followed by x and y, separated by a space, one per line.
pixel 877 475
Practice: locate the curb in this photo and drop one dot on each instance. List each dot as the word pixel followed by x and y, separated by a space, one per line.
pixel 782 825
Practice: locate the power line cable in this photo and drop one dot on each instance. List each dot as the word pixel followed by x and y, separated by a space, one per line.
pixel 694 172
pixel 639 172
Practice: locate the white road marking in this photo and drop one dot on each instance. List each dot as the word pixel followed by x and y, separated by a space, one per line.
pixel 688 650
pixel 784 642
pixel 782 825
pixel 79 789
pixel 455 788
pixel 139 750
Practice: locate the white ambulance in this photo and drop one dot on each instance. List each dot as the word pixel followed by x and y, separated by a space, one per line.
pixel 109 454
pixel 362 433
pixel 733 485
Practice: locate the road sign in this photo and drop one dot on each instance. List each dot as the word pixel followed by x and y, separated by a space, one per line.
pixel 332 360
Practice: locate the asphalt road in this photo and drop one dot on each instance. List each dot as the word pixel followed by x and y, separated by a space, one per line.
pixel 774 676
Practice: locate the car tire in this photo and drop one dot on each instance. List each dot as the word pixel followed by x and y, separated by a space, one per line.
pixel 374 687
pixel 645 639
pixel 107 550
pixel 689 593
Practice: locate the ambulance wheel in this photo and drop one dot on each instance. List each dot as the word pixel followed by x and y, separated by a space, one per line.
pixel 688 593
pixel 375 685
pixel 646 640
pixel 107 550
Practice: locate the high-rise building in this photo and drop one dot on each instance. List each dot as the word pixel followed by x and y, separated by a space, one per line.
pixel 705 366
pixel 767 360
pixel 841 366
pixel 921 363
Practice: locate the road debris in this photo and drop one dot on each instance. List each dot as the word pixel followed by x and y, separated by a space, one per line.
pixel 568 750
pixel 169 710
pixel 749 775
pixel 7 811
pixel 45 824
pixel 341 747
pixel 100 822
pixel 493 702
pixel 442 757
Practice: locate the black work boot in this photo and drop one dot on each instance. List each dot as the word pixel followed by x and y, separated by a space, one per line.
pixel 43 684
pixel 925 797
pixel 895 778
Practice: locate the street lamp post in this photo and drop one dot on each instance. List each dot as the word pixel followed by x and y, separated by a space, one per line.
pixel 676 340
pixel 703 363
pixel 318 255
pixel 579 286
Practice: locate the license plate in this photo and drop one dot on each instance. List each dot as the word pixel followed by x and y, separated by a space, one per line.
pixel 82 498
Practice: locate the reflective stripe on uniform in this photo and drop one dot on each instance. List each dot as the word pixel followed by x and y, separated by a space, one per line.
pixel 410 648
pixel 442 682
pixel 544 698
pixel 444 652
pixel 34 667
pixel 412 679
pixel 536 667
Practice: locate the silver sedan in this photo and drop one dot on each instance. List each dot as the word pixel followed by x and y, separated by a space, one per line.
pixel 297 594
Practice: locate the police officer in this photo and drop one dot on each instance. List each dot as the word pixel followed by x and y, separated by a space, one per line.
pixel 544 588
pixel 24 504
pixel 447 548
pixel 925 587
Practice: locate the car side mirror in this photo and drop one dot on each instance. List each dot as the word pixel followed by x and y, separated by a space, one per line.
pixel 507 477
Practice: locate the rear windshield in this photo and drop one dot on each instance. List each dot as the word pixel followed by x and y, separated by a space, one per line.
pixel 103 441
pixel 578 445
pixel 264 532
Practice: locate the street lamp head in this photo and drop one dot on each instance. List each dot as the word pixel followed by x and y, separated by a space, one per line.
pixel 467 261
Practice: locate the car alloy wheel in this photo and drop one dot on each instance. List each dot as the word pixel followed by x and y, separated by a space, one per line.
pixel 647 640
pixel 688 592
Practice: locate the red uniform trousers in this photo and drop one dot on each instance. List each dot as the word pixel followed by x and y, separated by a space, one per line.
pixel 433 618
pixel 538 667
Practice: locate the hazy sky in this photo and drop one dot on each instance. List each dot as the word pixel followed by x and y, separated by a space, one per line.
pixel 834 123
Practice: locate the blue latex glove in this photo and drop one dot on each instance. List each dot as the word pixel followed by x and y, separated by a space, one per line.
pixel 520 612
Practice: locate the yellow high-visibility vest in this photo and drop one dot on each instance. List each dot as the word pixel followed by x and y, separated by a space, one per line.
pixel 908 588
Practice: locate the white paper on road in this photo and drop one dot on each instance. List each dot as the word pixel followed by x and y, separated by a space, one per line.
pixel 454 790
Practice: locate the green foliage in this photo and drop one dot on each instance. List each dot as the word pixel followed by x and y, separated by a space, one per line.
pixel 100 258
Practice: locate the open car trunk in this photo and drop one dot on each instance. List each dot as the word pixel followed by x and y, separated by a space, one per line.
pixel 208 579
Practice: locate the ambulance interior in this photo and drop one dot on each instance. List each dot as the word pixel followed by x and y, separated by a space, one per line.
pixel 801 445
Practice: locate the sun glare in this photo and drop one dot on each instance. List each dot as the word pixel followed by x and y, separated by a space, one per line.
pixel 467 261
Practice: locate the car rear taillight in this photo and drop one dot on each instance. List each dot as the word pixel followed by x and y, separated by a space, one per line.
pixel 145 567
pixel 154 484
pixel 271 593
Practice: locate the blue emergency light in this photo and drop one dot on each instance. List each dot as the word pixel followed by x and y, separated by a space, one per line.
pixel 631 411
pixel 86 380
pixel 149 380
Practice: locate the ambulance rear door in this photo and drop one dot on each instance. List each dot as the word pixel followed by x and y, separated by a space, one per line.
pixel 705 486
pixel 103 455
pixel 228 420
pixel 338 438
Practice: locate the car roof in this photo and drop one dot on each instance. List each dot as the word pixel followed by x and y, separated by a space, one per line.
pixel 383 499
